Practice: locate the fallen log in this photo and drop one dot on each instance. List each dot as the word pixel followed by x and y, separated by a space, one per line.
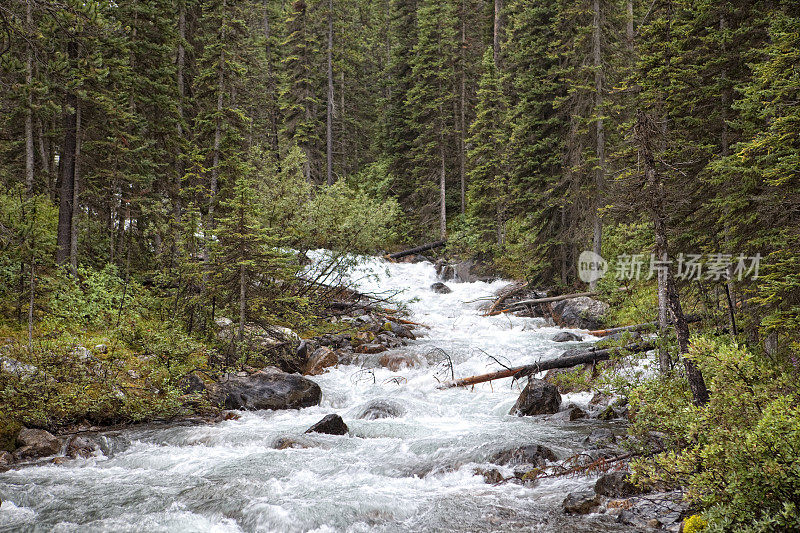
pixel 534 301
pixel 514 288
pixel 638 327
pixel 402 320
pixel 418 249
pixel 584 357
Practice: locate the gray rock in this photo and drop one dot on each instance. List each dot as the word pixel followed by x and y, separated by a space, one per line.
pixel 82 447
pixel 401 331
pixel 267 389
pixel 616 485
pixel 600 438
pixel 464 271
pixel 381 408
pixel 581 313
pixel 583 502
pixel 12 366
pixel 330 424
pixel 321 359
pixel 440 288
pixel 6 458
pixel 444 271
pixel 529 454
pixel 191 383
pixel 537 398
pixel 565 336
pixel 36 443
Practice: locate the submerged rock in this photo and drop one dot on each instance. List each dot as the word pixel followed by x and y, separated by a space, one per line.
pixel 583 502
pixel 581 313
pixel 395 362
pixel 82 447
pixel 441 288
pixel 565 336
pixel 529 454
pixel 330 424
pixel 283 443
pixel 380 408
pixel 537 398
pixel 267 389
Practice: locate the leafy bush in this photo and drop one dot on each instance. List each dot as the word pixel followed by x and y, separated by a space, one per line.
pixel 738 456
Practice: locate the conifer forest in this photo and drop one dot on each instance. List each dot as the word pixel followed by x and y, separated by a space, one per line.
pixel 400 265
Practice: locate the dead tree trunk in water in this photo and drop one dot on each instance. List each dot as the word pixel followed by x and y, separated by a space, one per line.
pixel 645 131
pixel 581 358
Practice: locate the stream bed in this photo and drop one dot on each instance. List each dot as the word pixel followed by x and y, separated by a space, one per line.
pixel 411 473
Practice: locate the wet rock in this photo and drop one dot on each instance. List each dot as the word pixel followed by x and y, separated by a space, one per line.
pixel 600 438
pixel 371 348
pixel 565 336
pixel 444 271
pixel 537 398
pixel 399 330
pixel 583 502
pixel 530 454
pixel 331 424
pixel 600 400
pixel 283 443
pixel 6 458
pixel 381 408
pixel 465 271
pixel 321 359
pixel 441 288
pixel 576 413
pixel 395 362
pixel 616 485
pixel 667 508
pixel 36 443
pixel 190 383
pixel 490 475
pixel 82 447
pixel 267 389
pixel 580 313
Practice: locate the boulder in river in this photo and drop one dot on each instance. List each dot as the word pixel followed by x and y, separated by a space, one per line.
pixel 396 361
pixel 565 336
pixel 380 408
pixel 583 502
pixel 321 359
pixel 285 442
pixel 441 288
pixel 537 398
pixel 330 424
pixel 529 454
pixel 267 389
pixel 581 313
pixel 36 443
pixel 616 485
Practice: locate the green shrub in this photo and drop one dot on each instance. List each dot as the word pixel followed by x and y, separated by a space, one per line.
pixel 738 456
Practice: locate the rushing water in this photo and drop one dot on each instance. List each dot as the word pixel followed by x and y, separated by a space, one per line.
pixel 413 473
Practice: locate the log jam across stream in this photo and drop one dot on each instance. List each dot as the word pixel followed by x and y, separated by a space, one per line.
pixel 415 472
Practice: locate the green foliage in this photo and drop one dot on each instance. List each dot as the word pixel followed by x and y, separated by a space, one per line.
pixel 738 455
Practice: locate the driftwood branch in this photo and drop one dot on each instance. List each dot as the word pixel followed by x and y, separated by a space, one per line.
pixel 638 327
pixel 418 249
pixel 580 358
pixel 508 292
pixel 534 301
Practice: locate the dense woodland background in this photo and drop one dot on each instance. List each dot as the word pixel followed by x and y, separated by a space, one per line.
pixel 163 162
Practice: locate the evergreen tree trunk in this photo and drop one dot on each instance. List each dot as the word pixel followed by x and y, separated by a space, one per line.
pixel 177 206
pixel 498 13
pixel 462 110
pixel 664 361
pixel 597 229
pixel 645 129
pixel 29 151
pixel 73 241
pixel 329 118
pixel 442 194
pixel 242 301
pixel 67 163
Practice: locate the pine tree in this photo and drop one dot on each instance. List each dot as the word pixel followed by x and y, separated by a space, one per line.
pixel 430 100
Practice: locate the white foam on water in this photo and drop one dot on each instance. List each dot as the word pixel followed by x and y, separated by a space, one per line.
pixel 411 473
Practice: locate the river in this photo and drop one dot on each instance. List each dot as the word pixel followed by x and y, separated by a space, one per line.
pixel 412 473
